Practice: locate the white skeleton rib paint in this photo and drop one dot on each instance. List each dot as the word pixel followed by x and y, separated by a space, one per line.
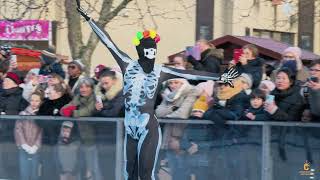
pixel 139 86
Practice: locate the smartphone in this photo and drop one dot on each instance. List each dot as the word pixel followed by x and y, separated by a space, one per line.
pixel 313 79
pixel 237 53
pixel 13 59
pixel 193 51
pixel 269 98
pixel 98 99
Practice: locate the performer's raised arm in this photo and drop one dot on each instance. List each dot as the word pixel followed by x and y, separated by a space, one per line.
pixel 226 77
pixel 121 57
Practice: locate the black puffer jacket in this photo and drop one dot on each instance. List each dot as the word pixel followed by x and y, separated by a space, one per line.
pixel 254 68
pixel 235 105
pixel 11 103
pixel 210 61
pixel 290 104
pixel 51 129
pixel 113 107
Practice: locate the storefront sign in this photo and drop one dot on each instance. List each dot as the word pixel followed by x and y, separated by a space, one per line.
pixel 25 30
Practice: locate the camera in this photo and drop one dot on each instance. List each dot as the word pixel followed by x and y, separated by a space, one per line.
pixel 313 79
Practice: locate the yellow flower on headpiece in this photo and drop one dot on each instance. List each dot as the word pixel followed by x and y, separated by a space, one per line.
pixel 136 41
pixel 153 34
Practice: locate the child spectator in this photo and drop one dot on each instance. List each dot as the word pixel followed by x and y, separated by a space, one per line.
pixel 256 110
pixel 68 152
pixel 28 139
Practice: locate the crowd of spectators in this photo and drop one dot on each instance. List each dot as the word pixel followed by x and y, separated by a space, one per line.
pixel 290 93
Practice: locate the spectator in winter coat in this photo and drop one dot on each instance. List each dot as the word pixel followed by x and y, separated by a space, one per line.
pixel 83 105
pixel 11 100
pixel 109 95
pixel 288 104
pixel 11 103
pixel 98 71
pixel 292 59
pixel 57 98
pixel 75 70
pixel 256 110
pixel 28 137
pixel 312 93
pixel 229 103
pixel 210 58
pixel 4 67
pixel 250 63
pixel 49 64
pixel 177 102
pixel 30 83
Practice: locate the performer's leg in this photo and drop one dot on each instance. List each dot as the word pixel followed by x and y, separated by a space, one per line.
pixel 150 145
pixel 130 158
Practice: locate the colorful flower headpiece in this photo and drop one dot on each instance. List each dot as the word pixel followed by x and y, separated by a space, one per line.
pixel 144 35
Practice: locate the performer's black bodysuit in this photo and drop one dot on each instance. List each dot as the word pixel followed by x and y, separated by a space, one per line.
pixel 141 84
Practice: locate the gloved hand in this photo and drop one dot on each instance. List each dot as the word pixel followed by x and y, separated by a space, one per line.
pixel 26 148
pixel 33 149
pixel 68 111
pixel 82 12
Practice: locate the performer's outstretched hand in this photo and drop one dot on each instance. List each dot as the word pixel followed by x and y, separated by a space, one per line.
pixel 82 11
pixel 229 75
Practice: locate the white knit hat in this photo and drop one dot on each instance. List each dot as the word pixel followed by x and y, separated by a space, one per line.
pixel 79 64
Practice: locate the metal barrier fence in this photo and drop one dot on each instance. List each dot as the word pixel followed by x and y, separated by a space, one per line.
pixel 266 141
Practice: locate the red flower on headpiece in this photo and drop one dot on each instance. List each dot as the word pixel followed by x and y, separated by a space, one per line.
pixel 146 34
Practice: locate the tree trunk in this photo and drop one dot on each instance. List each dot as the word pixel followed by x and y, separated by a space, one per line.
pixel 78 49
pixel 74 28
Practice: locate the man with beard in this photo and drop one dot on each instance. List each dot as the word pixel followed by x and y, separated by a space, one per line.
pixel 141 84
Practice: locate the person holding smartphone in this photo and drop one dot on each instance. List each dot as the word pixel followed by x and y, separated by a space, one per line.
pixel 288 104
pixel 109 97
pixel 210 57
pixel 313 90
pixel 247 61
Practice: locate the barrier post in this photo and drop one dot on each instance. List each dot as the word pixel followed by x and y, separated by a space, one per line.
pixel 266 173
pixel 119 151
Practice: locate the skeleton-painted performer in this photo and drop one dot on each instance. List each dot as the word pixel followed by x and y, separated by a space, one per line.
pixel 141 84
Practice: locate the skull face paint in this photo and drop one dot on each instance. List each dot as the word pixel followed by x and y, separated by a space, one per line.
pixel 150 53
